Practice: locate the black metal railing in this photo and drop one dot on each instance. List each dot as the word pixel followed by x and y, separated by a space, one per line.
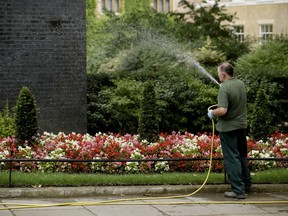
pixel 11 160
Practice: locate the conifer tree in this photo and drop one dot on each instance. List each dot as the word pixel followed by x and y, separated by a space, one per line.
pixel 260 122
pixel 26 117
pixel 148 122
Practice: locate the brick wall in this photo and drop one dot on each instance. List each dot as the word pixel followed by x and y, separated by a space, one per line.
pixel 43 46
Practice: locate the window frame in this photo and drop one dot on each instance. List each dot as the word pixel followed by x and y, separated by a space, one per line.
pixel 111 5
pixel 239 32
pixel 161 6
pixel 265 35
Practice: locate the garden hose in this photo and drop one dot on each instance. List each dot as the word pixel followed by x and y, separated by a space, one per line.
pixel 11 206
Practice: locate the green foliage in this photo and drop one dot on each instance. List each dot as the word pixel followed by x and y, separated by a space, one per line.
pixel 91 24
pixel 98 37
pixel 148 121
pixel 183 102
pixel 124 104
pixel 260 124
pixel 142 45
pixel 26 117
pixel 208 55
pixel 137 10
pixel 7 124
pixel 267 64
pixel 269 60
pixel 136 5
pixel 232 48
pixel 113 105
pixel 140 12
pixel 98 117
pixel 206 20
pixel 209 21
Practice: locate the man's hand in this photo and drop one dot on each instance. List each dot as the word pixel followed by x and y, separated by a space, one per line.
pixel 210 114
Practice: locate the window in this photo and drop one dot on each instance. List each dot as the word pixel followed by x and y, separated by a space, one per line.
pixel 111 5
pixel 103 6
pixel 155 4
pixel 162 5
pixel 238 31
pixel 116 5
pixel 266 32
pixel 167 5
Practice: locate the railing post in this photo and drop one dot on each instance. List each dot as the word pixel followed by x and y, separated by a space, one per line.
pixel 225 175
pixel 10 168
pixel 10 173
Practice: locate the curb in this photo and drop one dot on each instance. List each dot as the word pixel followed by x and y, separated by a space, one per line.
pixel 92 191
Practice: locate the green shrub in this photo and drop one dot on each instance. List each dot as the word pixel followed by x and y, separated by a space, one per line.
pixel 7 124
pixel 208 55
pixel 123 105
pixel 98 116
pixel 260 121
pixel 232 48
pixel 148 121
pixel 182 98
pixel 26 117
pixel 267 64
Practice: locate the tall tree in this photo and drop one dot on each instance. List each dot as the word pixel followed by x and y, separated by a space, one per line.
pixel 203 21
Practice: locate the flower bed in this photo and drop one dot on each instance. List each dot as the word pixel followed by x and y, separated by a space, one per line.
pixel 116 146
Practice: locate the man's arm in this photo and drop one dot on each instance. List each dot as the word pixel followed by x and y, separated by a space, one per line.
pixel 220 111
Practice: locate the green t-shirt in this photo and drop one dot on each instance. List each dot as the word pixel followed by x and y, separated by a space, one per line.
pixel 232 95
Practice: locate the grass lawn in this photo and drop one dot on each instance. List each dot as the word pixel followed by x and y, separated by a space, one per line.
pixel 19 179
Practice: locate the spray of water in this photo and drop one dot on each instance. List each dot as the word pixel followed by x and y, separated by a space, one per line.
pixel 147 38
pixel 190 61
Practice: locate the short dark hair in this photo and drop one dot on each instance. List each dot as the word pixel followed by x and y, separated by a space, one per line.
pixel 227 68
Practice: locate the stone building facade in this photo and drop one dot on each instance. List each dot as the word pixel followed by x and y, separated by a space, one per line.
pixel 259 19
pixel 254 18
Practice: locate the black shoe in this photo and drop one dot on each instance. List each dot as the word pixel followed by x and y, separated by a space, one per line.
pixel 234 195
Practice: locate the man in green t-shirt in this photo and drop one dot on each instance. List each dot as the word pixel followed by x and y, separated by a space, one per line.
pixel 232 122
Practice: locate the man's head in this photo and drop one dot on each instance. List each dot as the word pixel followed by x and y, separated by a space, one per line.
pixel 225 71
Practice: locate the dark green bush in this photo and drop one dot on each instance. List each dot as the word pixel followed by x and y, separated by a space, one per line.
pixel 267 65
pixel 148 121
pixel 232 48
pixel 260 120
pixel 123 105
pixel 98 116
pixel 26 117
pixel 182 102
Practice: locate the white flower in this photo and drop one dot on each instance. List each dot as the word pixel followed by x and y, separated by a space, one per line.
pixel 136 154
pixel 162 166
pixel 132 166
pixel 145 142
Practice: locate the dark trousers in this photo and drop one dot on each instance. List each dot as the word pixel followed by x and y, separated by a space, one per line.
pixel 234 148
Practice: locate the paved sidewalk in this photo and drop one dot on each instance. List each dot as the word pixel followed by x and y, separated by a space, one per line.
pixel 203 203
pixel 153 207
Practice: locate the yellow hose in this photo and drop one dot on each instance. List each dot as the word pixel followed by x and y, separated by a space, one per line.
pixel 11 206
